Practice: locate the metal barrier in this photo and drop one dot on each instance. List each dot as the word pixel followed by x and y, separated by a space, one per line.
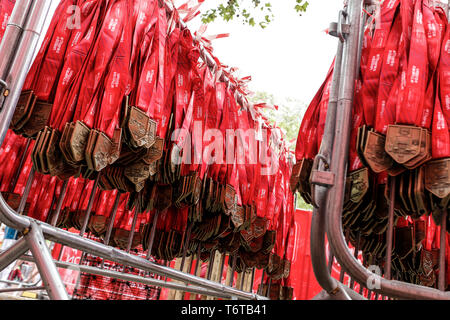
pixel 332 164
pixel 16 52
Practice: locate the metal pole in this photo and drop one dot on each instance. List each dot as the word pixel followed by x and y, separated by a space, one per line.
pixel 19 169
pixel 185 245
pixel 13 253
pixel 350 56
pixel 112 219
pixel 152 235
pixel 26 192
pixel 241 285
pixel 12 35
pixel 233 268
pixel 442 248
pixel 44 261
pixel 260 290
pixel 222 265
pixel 212 257
pixel 390 230
pixel 133 227
pixel 268 288
pixel 60 202
pixel 252 279
pixel 17 51
pixel 358 243
pixel 21 289
pixel 133 278
pixel 89 207
pixel 318 222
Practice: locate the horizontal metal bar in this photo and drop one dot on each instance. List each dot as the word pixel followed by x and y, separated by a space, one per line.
pixel 106 252
pixel 133 278
pixel 21 289
pixel 11 254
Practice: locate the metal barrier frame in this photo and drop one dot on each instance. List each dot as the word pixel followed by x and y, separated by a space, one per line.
pixel 332 163
pixel 16 51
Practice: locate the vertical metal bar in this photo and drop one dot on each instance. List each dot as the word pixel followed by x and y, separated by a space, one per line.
pixel 19 169
pixel 390 230
pixel 341 275
pixel 185 245
pixel 151 237
pixel 212 257
pixel 358 243
pixel 222 265
pixel 318 223
pixel 268 288
pixel 241 285
pixel 442 248
pixel 252 279
pixel 330 260
pixel 112 218
pixel 62 195
pixel 11 37
pixel 198 261
pixel 233 268
pixel 131 236
pixel 44 261
pixel 17 52
pixel 260 290
pixel 26 192
pixel 339 157
pixel 89 207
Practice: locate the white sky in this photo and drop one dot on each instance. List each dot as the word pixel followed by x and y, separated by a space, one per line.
pixel 289 58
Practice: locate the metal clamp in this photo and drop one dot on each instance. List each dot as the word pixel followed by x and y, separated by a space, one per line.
pixel 321 178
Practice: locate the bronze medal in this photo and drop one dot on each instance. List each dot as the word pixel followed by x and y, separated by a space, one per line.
pixel 91 141
pixel 155 152
pixel 63 141
pixel 437 177
pixel 42 151
pixel 424 151
pixel 35 150
pixel 137 172
pixel 24 105
pixel 403 142
pixel 361 139
pixel 114 154
pixel 53 155
pixel 237 217
pixel 141 128
pixel 286 268
pixel 359 184
pixel 294 181
pixel 37 119
pixel 374 153
pixel 260 227
pixel 78 142
pixel 269 241
pixel 101 152
pixel 229 199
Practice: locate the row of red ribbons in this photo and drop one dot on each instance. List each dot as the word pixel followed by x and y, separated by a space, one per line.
pixel 119 98
pixel 400 130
